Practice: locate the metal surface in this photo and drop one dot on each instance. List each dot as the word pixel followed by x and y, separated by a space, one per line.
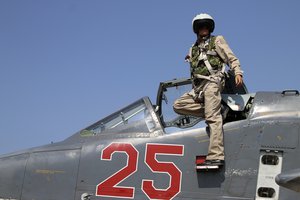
pixel 147 151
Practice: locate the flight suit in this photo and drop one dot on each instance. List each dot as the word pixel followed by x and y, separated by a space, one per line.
pixel 204 100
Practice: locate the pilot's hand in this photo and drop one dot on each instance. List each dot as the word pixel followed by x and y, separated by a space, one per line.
pixel 187 58
pixel 238 80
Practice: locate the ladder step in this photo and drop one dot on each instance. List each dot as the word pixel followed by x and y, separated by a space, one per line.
pixel 203 167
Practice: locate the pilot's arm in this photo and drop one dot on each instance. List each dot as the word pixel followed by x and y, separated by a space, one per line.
pixel 229 58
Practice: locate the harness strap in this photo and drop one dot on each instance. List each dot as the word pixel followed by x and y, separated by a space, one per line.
pixel 203 57
pixel 190 53
pixel 211 53
pixel 216 78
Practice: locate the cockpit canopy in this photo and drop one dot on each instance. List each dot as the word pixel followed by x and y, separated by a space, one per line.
pixel 137 118
pixel 144 118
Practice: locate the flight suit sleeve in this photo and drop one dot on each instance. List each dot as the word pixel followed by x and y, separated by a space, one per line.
pixel 227 55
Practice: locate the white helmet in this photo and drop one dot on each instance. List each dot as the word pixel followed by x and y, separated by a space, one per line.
pixel 201 20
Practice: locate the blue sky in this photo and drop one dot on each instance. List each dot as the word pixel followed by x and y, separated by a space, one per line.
pixel 67 63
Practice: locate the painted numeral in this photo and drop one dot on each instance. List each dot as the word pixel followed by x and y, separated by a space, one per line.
pixel 162 167
pixel 108 187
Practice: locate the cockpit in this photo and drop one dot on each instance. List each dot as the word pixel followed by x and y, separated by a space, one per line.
pixel 144 119
pixel 236 104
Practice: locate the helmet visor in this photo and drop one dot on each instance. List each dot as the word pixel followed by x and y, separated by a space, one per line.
pixel 198 24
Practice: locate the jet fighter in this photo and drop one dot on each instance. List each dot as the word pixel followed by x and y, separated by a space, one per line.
pixel 147 151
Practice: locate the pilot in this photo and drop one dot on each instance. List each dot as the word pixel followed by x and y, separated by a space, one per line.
pixel 208 57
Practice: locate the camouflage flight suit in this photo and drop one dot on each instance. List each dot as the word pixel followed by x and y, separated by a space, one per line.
pixel 204 99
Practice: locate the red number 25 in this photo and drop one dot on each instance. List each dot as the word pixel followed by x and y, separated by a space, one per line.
pixel 109 188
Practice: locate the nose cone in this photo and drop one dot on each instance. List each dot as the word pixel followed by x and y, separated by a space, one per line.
pixel 12 168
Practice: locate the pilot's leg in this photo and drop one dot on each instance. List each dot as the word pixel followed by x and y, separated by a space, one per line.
pixel 212 98
pixel 186 105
